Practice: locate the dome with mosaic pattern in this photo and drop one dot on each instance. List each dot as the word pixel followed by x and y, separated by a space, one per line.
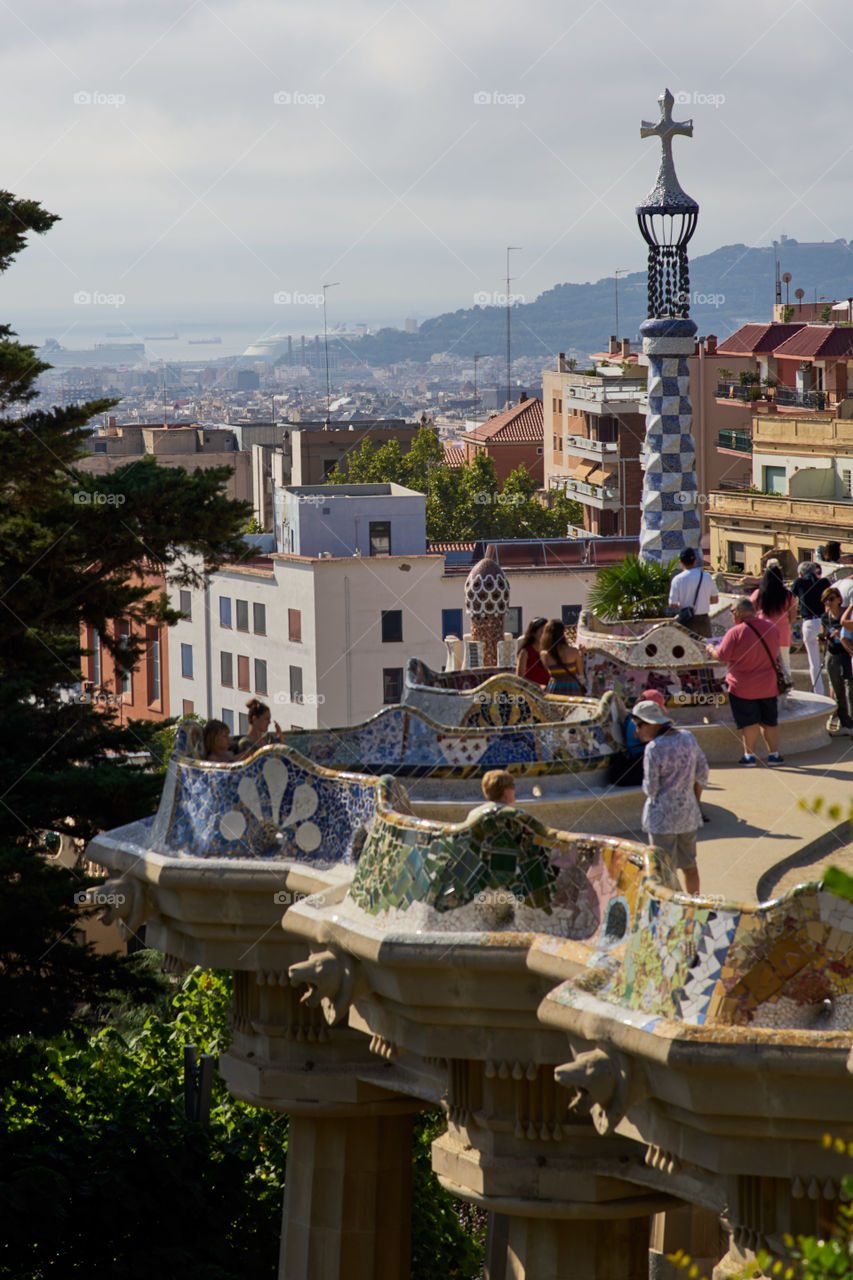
pixel 486 590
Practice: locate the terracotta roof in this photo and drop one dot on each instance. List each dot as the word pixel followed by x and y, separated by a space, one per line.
pixel 755 339
pixel 521 424
pixel 443 547
pixel 819 342
pixel 454 455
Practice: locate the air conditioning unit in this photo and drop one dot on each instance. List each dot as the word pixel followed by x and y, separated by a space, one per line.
pixel 325 555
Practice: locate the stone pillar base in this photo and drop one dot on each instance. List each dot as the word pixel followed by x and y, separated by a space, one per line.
pixel 347 1199
pixel 602 1249
pixel 697 1232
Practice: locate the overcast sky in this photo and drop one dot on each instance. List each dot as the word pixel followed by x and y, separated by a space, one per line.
pixel 152 127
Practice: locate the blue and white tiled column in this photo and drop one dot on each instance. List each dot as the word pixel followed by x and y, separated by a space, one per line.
pixel 670 515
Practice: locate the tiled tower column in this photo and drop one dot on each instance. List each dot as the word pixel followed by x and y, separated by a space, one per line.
pixel 670 516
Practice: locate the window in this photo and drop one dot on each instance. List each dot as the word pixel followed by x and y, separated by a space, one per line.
pixel 392 684
pixel 392 626
pixel 243 672
pixel 226 669
pixel 570 614
pixel 513 623
pixel 243 723
pixel 805 553
pixel 380 537
pixel 95 646
pixel 186 604
pixel 187 661
pixel 227 717
pixel 224 611
pixel 329 465
pixel 295 684
pixel 294 625
pixel 451 623
pixel 153 637
pixel 124 677
pixel 242 615
pixel 736 555
pixel 847 483
pixel 187 707
pixel 260 675
pixel 774 480
pixel 259 619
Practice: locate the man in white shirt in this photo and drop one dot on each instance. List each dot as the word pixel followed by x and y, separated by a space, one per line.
pixel 694 589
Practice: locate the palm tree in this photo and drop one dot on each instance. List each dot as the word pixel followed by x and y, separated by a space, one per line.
pixel 633 589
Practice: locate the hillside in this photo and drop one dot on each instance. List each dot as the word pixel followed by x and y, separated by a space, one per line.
pixel 728 287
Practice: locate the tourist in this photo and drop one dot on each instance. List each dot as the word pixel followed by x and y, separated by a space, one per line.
pixel 561 660
pixel 625 767
pixel 808 590
pixel 258 734
pixel 529 664
pixel 674 772
pixel 750 650
pixel 839 666
pixel 217 739
pixel 776 603
pixel 693 589
pixel 499 786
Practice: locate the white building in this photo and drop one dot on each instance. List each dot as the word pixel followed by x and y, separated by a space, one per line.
pixel 323 635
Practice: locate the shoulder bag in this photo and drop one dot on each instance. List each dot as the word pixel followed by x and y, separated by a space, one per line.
pixel 783 683
pixel 687 612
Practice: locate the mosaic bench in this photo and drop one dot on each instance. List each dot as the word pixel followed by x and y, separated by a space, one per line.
pixel 712 964
pixel 665 656
pixel 276 803
pixel 499 869
pixel 501 698
pixel 404 741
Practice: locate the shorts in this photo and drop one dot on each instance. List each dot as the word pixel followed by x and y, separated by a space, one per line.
pixel 749 711
pixel 679 845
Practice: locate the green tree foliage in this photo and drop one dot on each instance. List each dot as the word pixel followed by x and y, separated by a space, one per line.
pixel 94 1130
pixel 633 589
pixel 463 503
pixel 73 548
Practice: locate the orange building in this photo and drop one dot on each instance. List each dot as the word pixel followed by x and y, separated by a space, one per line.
pixel 140 694
pixel 512 438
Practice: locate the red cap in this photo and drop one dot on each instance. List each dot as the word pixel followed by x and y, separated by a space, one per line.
pixel 653 695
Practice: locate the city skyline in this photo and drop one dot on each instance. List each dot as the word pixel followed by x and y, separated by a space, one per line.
pixel 213 159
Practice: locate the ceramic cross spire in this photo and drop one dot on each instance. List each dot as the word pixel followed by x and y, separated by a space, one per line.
pixel 667 190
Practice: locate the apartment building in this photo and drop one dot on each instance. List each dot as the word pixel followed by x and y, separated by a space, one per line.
pixel 510 439
pixel 138 694
pixel 798 443
pixel 184 446
pixel 323 632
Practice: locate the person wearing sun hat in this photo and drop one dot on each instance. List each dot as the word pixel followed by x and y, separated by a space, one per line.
pixel 674 772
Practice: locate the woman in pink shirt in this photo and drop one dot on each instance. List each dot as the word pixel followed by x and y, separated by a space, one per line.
pixel 776 603
pixel 750 649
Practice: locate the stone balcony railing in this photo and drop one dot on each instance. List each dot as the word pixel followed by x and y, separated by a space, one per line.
pixel 584 447
pixel 605 493
pixel 792 434
pixel 772 506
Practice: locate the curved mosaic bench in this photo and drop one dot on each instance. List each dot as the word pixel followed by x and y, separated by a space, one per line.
pixel 784 965
pixel 665 656
pixel 500 869
pixel 404 741
pixel 500 699
pixel 276 804
pixel 419 675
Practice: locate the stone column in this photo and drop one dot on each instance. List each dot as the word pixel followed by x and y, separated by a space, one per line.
pixel 348 1198
pixel 670 515
pixel 603 1249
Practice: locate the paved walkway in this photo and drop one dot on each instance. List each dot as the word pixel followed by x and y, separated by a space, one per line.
pixel 757 822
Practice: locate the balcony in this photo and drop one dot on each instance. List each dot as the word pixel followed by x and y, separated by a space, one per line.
pixel 582 447
pixel 603 497
pixel 803 513
pixel 735 391
pixel 787 397
pixel 736 441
